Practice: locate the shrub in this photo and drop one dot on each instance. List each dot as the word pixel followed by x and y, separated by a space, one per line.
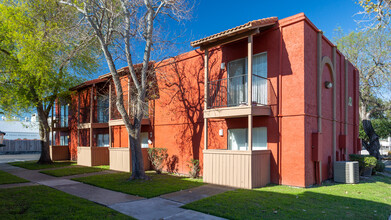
pixel 194 168
pixel 157 156
pixel 389 153
pixel 380 166
pixel 364 161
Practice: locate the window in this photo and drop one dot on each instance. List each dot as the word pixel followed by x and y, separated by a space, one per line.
pixel 237 80
pixel 63 140
pixel 103 109
pixel 103 140
pixel 259 90
pixel 64 115
pixel 144 140
pixel 237 138
pixel 260 138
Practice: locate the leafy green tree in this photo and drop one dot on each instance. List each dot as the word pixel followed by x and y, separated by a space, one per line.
pixel 382 128
pixel 370 52
pixel 43 52
pixel 127 30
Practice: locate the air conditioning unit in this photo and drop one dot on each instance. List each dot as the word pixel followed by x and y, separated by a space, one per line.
pixel 346 172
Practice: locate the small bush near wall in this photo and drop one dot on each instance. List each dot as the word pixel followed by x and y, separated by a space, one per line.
pixel 364 161
pixel 157 156
pixel 380 166
pixel 194 167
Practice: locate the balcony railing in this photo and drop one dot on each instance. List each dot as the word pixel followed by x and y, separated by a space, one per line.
pixel 232 91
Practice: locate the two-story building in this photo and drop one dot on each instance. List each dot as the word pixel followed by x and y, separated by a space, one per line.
pixel 268 101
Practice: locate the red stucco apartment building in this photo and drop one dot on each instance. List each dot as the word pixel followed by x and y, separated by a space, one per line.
pixel 303 113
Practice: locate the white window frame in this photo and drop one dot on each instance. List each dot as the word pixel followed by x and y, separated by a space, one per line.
pixel 229 146
pixel 263 144
pixel 246 73
pixel 144 144
pixel 104 145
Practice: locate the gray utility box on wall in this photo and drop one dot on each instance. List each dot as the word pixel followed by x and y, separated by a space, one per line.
pixel 346 172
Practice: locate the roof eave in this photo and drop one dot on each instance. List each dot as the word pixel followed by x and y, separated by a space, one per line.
pixel 231 33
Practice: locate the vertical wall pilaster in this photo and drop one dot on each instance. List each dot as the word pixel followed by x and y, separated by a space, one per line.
pixel 206 66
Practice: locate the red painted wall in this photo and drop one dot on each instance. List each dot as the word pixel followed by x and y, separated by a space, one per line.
pixel 327 105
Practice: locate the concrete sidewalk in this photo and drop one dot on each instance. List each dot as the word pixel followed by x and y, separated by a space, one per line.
pixel 164 207
pixel 168 206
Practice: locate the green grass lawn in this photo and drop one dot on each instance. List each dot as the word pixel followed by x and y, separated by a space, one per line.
pixel 68 171
pixel 33 165
pixel 41 202
pixel 6 178
pixel 158 185
pixel 368 200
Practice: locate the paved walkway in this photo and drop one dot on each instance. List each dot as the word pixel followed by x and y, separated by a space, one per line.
pixel 164 207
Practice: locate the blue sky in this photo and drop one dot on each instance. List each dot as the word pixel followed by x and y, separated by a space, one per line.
pixel 211 16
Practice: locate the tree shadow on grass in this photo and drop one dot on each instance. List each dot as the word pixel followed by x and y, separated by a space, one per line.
pixel 282 202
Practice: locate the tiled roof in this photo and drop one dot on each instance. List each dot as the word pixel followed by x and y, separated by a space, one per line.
pixel 122 70
pixel 87 83
pixel 244 27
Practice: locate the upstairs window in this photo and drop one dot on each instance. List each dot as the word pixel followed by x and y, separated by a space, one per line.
pixel 103 109
pixel 64 115
pixel 237 81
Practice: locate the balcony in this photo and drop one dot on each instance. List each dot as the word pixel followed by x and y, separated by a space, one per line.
pixel 229 97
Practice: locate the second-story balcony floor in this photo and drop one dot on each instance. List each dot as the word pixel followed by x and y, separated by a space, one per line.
pixel 92 125
pixel 118 122
pixel 237 111
pixel 229 97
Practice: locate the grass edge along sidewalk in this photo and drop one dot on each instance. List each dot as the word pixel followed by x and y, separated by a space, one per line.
pixel 33 165
pixel 7 178
pixel 42 202
pixel 159 184
pixel 73 170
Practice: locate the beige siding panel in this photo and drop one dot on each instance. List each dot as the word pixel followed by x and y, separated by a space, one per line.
pixel 261 176
pixel 59 153
pixel 121 160
pixel 243 169
pixel 84 156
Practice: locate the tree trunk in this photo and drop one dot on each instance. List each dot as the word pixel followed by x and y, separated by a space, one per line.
pixel 137 157
pixel 373 146
pixel 44 131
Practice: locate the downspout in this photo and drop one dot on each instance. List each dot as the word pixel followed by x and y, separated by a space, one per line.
pixel 334 104
pixel 318 164
pixel 319 79
pixel 279 87
pixel 346 105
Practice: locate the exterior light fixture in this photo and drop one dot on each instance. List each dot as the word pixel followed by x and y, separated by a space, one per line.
pixel 222 66
pixel 2 139
pixel 221 133
pixel 328 85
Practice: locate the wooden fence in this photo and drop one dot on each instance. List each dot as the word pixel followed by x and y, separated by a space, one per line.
pixel 21 146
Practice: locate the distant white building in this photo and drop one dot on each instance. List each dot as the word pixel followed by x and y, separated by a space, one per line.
pixel 15 129
pixel 385 147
